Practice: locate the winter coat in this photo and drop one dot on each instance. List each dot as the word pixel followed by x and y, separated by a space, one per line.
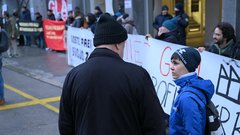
pixel 188 113
pixel 182 21
pixel 171 37
pixel 160 19
pixel 14 31
pixel 78 22
pixel 92 26
pixel 231 50
pixel 128 24
pixel 107 96
pixel 26 15
pixel 51 17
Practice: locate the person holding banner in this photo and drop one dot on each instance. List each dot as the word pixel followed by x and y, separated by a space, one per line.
pixel 167 32
pixel 108 96
pixel 188 113
pixel 50 15
pixel 225 42
pixel 78 19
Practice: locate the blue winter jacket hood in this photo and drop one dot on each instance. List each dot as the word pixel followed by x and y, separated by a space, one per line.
pixel 194 83
pixel 188 114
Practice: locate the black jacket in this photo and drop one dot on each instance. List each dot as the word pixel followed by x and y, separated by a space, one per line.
pixel 171 37
pixel 78 22
pixel 51 17
pixel 232 50
pixel 182 21
pixel 107 96
pixel 160 19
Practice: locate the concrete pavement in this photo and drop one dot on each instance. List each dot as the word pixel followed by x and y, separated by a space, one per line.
pixel 47 66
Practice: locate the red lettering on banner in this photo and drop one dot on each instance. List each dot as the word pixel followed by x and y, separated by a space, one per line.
pixel 136 54
pixel 59 5
pixel 128 50
pixel 167 64
pixel 131 54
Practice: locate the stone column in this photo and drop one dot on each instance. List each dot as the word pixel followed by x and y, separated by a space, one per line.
pixel 213 16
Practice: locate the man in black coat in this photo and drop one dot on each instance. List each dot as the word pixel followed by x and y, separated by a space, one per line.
pixel 181 19
pixel 108 96
pixel 163 16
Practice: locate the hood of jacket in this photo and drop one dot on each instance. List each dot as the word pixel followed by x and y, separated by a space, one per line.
pixel 197 85
pixel 128 20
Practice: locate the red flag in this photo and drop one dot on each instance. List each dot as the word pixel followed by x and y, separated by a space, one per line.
pixel 54 34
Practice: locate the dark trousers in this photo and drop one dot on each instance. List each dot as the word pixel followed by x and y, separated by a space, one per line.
pixel 21 40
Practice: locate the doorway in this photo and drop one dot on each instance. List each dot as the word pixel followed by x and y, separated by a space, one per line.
pixel 196 12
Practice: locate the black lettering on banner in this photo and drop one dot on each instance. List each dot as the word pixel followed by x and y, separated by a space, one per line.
pixel 167 89
pixel 223 77
pixel 226 112
pixel 75 39
pixel 78 53
pixel 235 128
pixel 86 42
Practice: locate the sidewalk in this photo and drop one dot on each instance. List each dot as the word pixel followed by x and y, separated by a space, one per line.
pixel 47 66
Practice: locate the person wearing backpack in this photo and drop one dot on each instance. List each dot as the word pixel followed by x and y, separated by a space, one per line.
pixel 188 113
pixel 3 47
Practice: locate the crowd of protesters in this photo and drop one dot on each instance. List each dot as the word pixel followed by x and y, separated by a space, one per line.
pixel 169 28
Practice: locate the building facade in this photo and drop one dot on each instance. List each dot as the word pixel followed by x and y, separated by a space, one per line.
pixel 204 14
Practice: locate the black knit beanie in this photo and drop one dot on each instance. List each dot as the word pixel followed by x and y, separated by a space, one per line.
pixel 190 57
pixel 109 31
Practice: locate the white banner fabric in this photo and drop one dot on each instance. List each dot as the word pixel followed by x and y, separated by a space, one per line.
pixel 154 55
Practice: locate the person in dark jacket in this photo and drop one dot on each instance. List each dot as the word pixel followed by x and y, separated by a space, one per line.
pixel 26 16
pixel 162 17
pixel 50 15
pixel 3 42
pixel 40 37
pixel 181 19
pixel 168 32
pixel 98 12
pixel 108 96
pixel 70 19
pixel 225 42
pixel 188 113
pixel 91 20
pixel 78 19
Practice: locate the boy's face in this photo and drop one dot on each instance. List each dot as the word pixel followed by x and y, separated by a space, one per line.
pixel 178 69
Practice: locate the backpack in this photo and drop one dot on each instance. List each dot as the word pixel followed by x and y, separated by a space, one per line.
pixel 213 123
pixel 4 41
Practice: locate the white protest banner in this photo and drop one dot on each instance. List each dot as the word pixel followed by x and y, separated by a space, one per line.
pixel 135 49
pixel 222 71
pixel 79 45
pixel 154 55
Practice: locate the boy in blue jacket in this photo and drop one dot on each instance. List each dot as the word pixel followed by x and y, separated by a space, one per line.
pixel 188 113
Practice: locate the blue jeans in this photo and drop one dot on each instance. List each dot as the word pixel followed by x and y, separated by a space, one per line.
pixel 1 81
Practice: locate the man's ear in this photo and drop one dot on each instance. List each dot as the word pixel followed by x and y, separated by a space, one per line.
pixel 117 46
